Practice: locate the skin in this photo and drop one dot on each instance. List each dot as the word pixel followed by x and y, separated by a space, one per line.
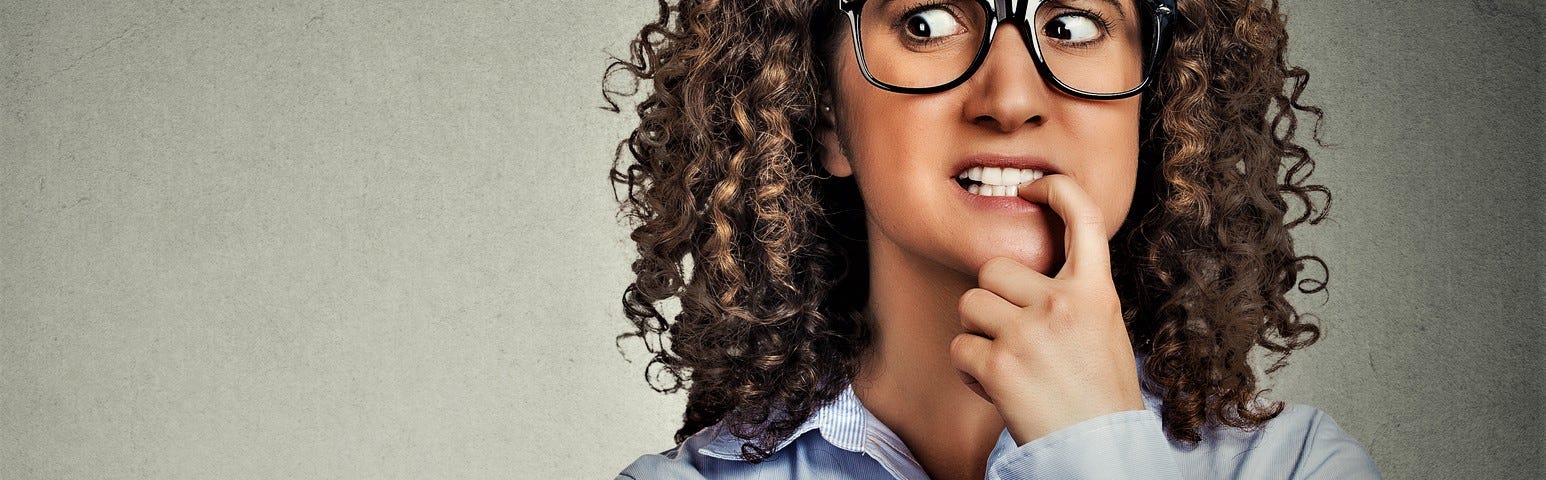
pixel 988 318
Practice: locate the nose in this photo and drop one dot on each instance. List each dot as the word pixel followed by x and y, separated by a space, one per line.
pixel 1007 91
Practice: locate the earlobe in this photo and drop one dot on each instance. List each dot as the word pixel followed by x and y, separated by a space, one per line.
pixel 834 157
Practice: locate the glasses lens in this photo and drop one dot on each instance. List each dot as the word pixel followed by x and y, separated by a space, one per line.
pixel 1092 45
pixel 920 46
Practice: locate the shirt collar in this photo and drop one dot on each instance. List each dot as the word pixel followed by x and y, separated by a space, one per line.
pixel 842 423
pixel 846 424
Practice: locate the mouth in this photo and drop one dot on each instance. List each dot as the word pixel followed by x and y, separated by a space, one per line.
pixel 996 181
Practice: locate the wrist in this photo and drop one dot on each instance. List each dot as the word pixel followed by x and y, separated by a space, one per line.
pixel 1026 430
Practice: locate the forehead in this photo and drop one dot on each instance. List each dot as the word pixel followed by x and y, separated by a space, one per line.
pixel 1019 8
pixel 1007 7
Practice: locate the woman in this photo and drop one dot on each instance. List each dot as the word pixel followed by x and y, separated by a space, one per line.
pixel 958 238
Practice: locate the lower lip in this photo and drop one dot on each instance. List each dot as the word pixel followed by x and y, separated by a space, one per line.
pixel 1012 204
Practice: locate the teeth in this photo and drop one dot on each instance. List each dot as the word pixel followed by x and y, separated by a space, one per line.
pixel 993 176
pixel 998 181
pixel 1003 176
pixel 993 190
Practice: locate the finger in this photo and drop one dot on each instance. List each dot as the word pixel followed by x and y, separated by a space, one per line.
pixel 1012 280
pixel 968 354
pixel 1085 229
pixel 985 313
pixel 976 386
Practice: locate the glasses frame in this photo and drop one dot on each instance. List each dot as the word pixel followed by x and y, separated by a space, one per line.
pixel 1015 11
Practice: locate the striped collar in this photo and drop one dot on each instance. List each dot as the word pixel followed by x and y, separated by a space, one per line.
pixel 847 425
pixel 842 423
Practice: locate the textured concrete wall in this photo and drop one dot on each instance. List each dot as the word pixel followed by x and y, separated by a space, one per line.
pixel 344 239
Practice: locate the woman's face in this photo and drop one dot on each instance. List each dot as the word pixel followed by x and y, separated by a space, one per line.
pixel 907 151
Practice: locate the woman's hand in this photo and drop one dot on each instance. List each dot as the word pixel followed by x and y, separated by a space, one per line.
pixel 1050 352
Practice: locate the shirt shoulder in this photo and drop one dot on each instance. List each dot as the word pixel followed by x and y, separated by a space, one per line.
pixel 684 461
pixel 1301 442
pixel 808 455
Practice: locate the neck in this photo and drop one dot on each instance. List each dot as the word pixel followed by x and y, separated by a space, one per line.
pixel 906 380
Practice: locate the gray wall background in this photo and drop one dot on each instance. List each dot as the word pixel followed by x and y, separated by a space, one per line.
pixel 344 239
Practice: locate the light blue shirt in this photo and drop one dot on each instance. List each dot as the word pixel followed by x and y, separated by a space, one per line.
pixel 844 440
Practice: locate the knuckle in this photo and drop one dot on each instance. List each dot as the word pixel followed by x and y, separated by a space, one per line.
pixel 998 363
pixel 1087 216
pixel 1059 305
pixel 958 344
pixel 985 296
pixel 960 350
pixel 994 267
pixel 1060 184
pixel 971 297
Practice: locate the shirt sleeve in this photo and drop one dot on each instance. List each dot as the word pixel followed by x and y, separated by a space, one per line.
pixel 1329 452
pixel 1302 444
pixel 659 466
pixel 1129 444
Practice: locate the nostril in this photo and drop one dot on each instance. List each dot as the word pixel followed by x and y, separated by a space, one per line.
pixel 996 123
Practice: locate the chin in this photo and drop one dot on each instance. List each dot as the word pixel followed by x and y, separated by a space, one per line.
pixel 1039 249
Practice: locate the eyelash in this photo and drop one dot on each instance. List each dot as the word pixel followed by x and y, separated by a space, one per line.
pixel 896 25
pixel 1105 25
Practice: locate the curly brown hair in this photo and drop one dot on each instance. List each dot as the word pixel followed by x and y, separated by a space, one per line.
pixel 722 177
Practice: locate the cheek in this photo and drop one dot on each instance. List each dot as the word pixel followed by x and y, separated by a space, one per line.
pixel 1113 182
pixel 898 145
pixel 1107 139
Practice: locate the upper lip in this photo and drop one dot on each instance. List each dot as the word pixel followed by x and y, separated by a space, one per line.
pixel 1002 161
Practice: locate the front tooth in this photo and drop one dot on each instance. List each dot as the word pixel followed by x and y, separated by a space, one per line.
pixel 975 174
pixel 1001 191
pixel 1037 174
pixel 1027 175
pixel 993 175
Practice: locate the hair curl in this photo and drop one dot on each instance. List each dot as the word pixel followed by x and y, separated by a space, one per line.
pixel 722 176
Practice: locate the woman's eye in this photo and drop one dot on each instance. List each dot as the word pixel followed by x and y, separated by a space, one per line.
pixel 932 23
pixel 1072 28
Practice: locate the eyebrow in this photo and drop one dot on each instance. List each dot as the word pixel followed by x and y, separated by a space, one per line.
pixel 1121 11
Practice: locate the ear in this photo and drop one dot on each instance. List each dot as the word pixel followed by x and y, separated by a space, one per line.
pixel 834 153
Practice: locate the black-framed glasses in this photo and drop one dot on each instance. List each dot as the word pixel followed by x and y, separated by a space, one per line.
pixel 1095 49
